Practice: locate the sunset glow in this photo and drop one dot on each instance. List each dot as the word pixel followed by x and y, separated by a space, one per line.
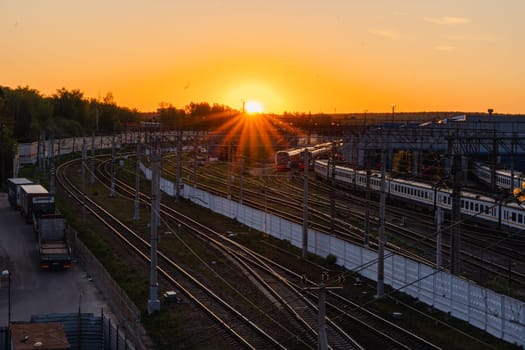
pixel 308 56
pixel 254 107
pixel 252 135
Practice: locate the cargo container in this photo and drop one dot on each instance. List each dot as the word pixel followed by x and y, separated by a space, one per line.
pixel 43 205
pixel 35 196
pixel 13 190
pixel 51 231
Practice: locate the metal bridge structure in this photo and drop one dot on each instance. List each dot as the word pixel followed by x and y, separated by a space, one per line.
pixel 499 140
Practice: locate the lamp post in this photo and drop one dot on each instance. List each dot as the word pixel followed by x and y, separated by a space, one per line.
pixel 7 275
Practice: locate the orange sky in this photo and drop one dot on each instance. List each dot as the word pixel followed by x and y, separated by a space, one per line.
pixel 305 56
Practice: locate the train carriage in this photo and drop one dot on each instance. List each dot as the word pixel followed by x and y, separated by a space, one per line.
pixel 476 206
pixel 504 178
pixel 285 160
pixel 412 191
pixel 294 157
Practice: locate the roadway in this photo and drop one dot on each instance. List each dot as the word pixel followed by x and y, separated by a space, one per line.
pixel 35 291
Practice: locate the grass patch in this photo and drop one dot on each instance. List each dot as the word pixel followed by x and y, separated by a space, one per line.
pixel 133 281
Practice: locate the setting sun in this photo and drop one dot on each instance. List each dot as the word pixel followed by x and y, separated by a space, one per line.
pixel 253 107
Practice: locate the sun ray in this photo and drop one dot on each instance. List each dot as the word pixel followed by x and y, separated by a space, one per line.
pixel 253 135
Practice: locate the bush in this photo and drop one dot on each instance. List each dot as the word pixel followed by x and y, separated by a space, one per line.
pixel 331 259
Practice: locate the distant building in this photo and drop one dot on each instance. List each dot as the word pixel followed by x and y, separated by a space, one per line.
pixel 492 138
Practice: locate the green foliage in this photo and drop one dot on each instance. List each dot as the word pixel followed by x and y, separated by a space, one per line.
pixel 67 113
pixel 71 105
pixel 331 259
pixel 171 118
pixel 29 172
pixel 25 111
pixel 66 127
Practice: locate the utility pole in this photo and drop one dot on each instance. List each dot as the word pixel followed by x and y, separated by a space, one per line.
pixel 153 302
pixel 38 148
pixel 136 217
pixel 393 111
pixel 96 117
pixel 241 180
pixel 512 157
pixel 49 151
pixel 381 240
pixel 58 148
pixel 228 182
pixel 439 237
pixel 92 167
pixel 305 204
pixel 113 168
pixel 455 236
pixel 367 208
pixel 84 156
pixel 52 166
pixel 494 161
pixel 331 165
pixel 195 148
pixel 6 274
pixel 510 277
pixel 178 174
pixel 321 322
pixel 322 341
pixel 43 150
pixel 73 147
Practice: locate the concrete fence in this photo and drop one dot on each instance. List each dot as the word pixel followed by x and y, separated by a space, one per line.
pixel 497 314
pixel 125 311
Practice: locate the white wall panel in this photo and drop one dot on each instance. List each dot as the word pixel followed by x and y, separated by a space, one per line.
pixel 499 315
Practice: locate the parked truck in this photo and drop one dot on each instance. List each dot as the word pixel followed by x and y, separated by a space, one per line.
pixel 13 190
pixel 35 199
pixel 51 231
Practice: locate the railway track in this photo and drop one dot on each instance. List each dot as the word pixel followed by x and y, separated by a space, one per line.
pixel 501 256
pixel 294 298
pixel 304 317
pixel 420 246
pixel 269 277
pixel 245 332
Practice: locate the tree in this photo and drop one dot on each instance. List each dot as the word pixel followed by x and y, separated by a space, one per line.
pixel 71 105
pixel 28 112
pixel 7 142
pixel 171 117
pixel 198 109
pixel 107 113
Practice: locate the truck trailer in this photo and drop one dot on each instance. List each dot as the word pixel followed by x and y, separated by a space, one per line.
pixel 51 231
pixel 35 198
pixel 13 190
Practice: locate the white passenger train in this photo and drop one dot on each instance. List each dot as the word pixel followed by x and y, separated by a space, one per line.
pixel 294 157
pixel 507 213
pixel 504 178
